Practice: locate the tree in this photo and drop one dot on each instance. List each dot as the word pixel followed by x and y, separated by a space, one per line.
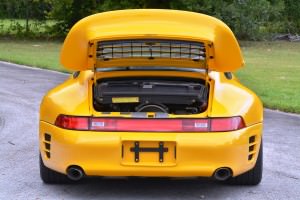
pixel 106 5
pixel 292 13
pixel 68 12
pixel 249 19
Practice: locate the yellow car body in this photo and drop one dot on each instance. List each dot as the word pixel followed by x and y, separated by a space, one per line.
pixel 109 153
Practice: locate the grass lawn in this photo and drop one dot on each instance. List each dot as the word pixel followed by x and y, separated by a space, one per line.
pixel 272 68
pixel 34 53
pixel 273 71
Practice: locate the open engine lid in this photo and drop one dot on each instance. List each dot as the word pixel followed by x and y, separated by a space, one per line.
pixel 150 37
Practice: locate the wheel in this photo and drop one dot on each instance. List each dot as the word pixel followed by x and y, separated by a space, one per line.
pixel 252 177
pixel 51 177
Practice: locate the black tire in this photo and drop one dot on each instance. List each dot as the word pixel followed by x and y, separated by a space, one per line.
pixel 252 177
pixel 50 176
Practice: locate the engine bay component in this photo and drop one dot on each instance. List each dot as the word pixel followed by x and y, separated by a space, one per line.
pixel 174 96
pixel 151 108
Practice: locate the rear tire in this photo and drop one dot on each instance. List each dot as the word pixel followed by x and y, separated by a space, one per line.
pixel 252 177
pixel 50 176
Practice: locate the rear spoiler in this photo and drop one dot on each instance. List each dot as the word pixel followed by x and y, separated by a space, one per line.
pixel 222 52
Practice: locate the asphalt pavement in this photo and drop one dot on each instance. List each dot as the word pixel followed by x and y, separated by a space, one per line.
pixel 21 91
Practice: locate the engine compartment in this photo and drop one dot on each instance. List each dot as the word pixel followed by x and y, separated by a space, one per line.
pixel 150 94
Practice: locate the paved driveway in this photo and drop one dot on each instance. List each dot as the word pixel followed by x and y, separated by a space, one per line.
pixel 21 90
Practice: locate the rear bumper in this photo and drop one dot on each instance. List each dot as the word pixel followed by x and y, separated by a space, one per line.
pixel 197 154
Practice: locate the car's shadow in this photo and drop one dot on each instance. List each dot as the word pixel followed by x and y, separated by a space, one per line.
pixel 146 188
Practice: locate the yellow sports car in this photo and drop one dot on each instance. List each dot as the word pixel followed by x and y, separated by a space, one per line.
pixel 152 95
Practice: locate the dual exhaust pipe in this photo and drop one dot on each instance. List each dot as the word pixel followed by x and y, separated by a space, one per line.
pixel 75 173
pixel 222 174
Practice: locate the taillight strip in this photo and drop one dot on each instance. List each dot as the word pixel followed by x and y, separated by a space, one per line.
pixel 223 124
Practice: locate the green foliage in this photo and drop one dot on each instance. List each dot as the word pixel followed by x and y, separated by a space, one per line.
pixel 249 19
pixel 23 18
pixel 18 28
pixel 106 5
pixel 292 13
pixel 68 12
pixel 21 9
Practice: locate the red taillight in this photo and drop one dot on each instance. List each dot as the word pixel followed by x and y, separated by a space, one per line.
pixel 195 125
pixel 150 125
pixel 226 124
pixel 103 124
pixel 71 122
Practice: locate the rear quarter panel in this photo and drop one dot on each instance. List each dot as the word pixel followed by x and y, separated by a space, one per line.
pixel 69 98
pixel 231 98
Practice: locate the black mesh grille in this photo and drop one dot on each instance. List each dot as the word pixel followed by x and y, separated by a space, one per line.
pixel 47 142
pixel 47 137
pixel 47 146
pixel 250 157
pixel 252 139
pixel 151 49
pixel 252 146
pixel 48 154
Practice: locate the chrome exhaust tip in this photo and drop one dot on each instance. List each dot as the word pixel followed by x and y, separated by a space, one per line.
pixel 75 173
pixel 222 174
